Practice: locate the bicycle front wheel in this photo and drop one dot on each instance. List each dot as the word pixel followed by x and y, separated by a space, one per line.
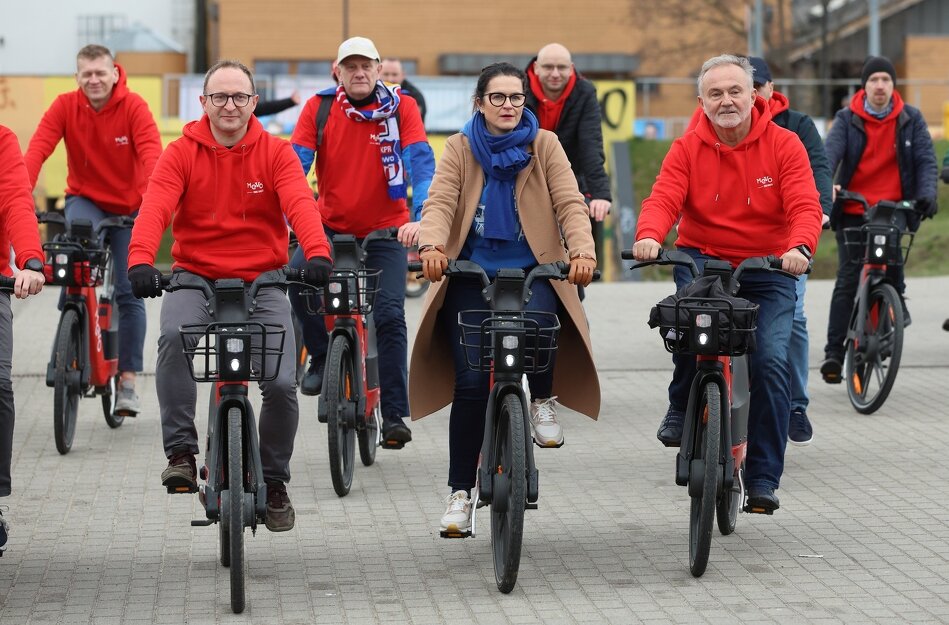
pixel 68 371
pixel 729 503
pixel 369 437
pixel 873 358
pixel 703 477
pixel 235 506
pixel 509 498
pixel 340 402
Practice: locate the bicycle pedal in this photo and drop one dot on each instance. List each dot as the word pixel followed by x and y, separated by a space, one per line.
pixel 180 489
pixel 758 509
pixel 531 506
pixel 455 533
pixel 201 522
pixel 392 444
pixel 675 444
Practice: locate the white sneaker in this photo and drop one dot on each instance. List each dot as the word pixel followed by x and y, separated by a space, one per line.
pixel 458 514
pixel 547 432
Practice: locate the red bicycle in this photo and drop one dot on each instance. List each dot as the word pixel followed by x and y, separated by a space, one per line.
pixel 84 358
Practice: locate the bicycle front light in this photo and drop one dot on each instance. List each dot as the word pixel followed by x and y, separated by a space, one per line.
pixel 60 265
pixel 509 352
pixel 235 359
pixel 704 332
pixel 337 297
pixel 879 241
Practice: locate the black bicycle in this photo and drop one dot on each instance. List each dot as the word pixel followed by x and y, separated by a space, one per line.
pixel 230 352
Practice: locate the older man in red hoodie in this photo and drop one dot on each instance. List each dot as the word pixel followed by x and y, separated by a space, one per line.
pixel 228 188
pixel 112 145
pixel 739 186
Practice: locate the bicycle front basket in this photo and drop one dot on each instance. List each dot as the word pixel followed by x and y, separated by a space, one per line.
pixel 351 292
pixel 706 325
pixel 233 352
pixel 75 265
pixel 878 244
pixel 525 341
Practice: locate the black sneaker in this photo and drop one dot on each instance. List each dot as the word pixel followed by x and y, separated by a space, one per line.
pixel 4 529
pixel 945 325
pixel 670 430
pixel 181 474
pixel 832 369
pixel 312 382
pixel 800 431
pixel 761 500
pixel 280 514
pixel 395 433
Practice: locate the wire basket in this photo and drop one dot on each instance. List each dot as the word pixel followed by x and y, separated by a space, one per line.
pixel 536 339
pixel 707 325
pixel 878 244
pixel 350 291
pixel 75 265
pixel 233 352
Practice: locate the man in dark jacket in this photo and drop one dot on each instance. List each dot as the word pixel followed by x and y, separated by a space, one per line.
pixel 565 103
pixel 861 143
pixel 800 431
pixel 392 72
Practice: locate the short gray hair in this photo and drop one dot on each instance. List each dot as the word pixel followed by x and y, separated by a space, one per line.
pixel 726 59
pixel 229 64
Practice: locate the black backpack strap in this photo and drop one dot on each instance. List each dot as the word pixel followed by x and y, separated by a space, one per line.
pixel 322 114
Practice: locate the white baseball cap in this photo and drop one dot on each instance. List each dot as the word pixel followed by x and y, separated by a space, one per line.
pixel 357 46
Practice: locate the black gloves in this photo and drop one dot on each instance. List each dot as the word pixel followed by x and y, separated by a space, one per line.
pixel 146 281
pixel 944 174
pixel 927 207
pixel 316 271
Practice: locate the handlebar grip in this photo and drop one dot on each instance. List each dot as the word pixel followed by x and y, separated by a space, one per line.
pixel 626 255
pixel 415 266
pixel 7 282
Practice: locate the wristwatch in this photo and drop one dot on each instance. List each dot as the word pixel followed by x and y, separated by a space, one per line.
pixel 34 264
pixel 806 251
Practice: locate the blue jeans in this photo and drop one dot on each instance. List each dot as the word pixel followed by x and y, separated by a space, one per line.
pixel 131 309
pixel 470 401
pixel 388 312
pixel 797 350
pixel 769 410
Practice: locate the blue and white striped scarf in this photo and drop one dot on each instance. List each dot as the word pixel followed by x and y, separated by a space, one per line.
pixel 390 145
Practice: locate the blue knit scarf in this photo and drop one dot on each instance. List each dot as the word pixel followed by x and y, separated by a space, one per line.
pixel 501 157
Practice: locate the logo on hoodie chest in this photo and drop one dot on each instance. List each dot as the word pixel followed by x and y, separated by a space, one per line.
pixel 254 188
pixel 123 140
pixel 764 182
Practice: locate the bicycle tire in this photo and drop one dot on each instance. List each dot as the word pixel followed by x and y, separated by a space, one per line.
pixel 340 386
pixel 108 404
pixel 870 377
pixel 66 380
pixel 510 490
pixel 705 462
pixel 223 532
pixel 730 502
pixel 235 503
pixel 302 355
pixel 369 437
pixel 415 287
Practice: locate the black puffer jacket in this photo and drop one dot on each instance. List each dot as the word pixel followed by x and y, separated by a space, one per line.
pixel 581 136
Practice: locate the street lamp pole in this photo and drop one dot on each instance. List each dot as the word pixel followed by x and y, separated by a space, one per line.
pixel 874 30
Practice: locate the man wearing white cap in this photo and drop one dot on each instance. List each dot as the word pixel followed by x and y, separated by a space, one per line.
pixel 364 137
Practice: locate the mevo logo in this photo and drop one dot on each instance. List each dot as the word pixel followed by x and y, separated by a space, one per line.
pixel 255 187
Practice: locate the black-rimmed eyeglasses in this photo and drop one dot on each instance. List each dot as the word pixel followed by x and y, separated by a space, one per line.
pixel 497 99
pixel 220 99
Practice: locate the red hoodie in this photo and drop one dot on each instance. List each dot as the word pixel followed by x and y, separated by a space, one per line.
pixel 877 176
pixel 755 199
pixel 228 207
pixel 109 153
pixel 17 219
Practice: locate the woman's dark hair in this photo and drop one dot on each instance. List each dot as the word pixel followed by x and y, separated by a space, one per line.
pixel 494 70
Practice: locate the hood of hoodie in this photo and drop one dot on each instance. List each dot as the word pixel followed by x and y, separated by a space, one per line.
pixel 778 104
pixel 856 105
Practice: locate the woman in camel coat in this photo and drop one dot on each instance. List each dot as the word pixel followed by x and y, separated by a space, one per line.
pixel 508 213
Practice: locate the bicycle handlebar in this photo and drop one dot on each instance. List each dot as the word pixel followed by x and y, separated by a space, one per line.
pixel 853 196
pixel 276 277
pixel 676 257
pixel 558 270
pixel 6 283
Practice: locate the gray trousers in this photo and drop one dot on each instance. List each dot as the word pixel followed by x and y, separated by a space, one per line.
pixel 177 391
pixel 6 393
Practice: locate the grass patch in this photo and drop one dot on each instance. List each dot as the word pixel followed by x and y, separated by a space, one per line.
pixel 928 257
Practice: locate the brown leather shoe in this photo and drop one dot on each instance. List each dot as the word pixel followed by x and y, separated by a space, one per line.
pixel 280 514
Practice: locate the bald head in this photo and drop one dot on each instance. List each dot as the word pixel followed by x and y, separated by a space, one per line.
pixel 554 68
pixel 392 71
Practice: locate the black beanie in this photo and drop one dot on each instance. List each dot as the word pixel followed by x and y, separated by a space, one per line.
pixel 876 64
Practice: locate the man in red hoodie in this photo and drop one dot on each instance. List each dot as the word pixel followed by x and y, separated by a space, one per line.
pixel 17 227
pixel 112 145
pixel 739 186
pixel 228 188
pixel 880 148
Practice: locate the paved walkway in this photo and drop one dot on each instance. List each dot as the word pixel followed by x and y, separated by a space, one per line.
pixel 862 535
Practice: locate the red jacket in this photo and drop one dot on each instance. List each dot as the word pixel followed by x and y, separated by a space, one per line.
pixel 755 199
pixel 17 218
pixel 109 153
pixel 228 207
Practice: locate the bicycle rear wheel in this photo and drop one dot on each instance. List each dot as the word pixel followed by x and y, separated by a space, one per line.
pixel 703 477
pixel 235 506
pixel 68 372
pixel 873 359
pixel 108 404
pixel 340 402
pixel 509 498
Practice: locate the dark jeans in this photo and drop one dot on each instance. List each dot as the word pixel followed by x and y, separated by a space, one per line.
pixel 388 313
pixel 466 427
pixel 131 309
pixel 6 393
pixel 770 374
pixel 845 288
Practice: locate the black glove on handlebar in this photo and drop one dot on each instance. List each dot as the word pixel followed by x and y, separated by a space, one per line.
pixel 146 281
pixel 316 271
pixel 944 174
pixel 927 207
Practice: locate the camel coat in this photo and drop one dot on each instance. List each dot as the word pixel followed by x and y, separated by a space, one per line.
pixel 548 203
